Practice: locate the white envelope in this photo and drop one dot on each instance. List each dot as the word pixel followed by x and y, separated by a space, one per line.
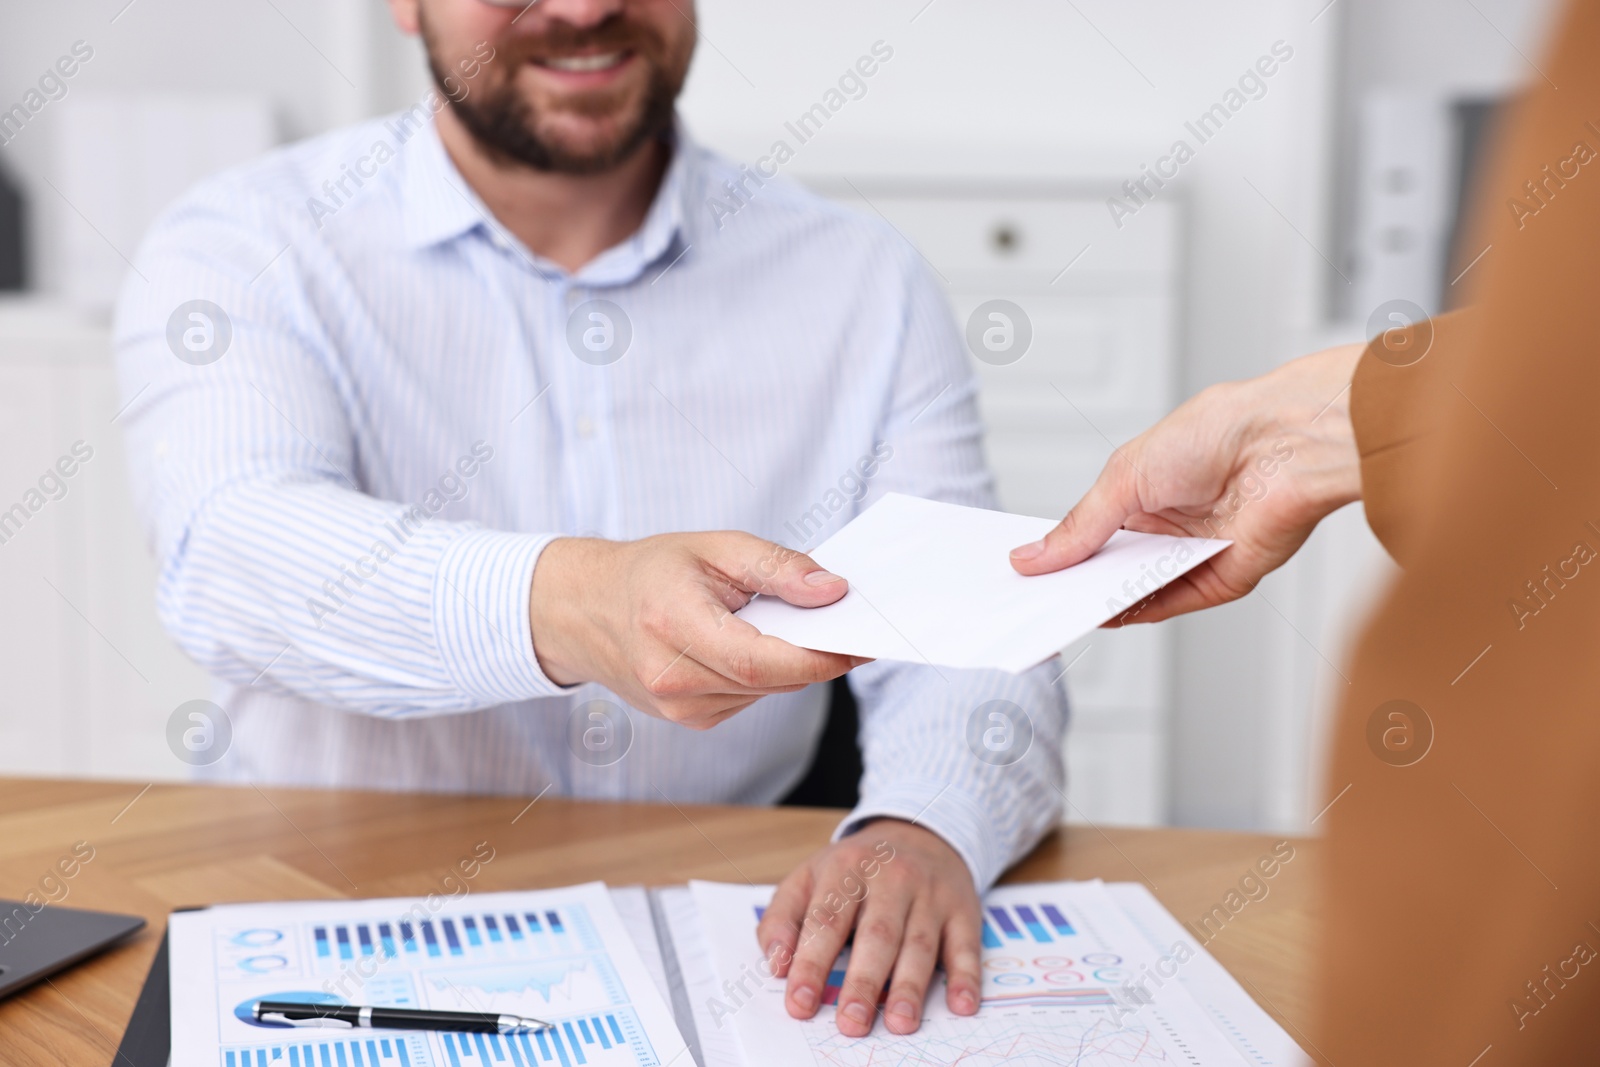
pixel 932 583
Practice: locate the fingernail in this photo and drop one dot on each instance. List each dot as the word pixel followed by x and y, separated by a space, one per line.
pixel 857 1013
pixel 966 1003
pixel 905 1009
pixel 1033 551
pixel 822 578
pixel 805 998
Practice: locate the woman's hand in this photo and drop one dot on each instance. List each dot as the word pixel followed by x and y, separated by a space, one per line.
pixel 1259 462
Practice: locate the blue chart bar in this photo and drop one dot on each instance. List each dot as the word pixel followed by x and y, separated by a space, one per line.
pixel 1035 927
pixel 572 1040
pixel 1058 920
pixel 360 1052
pixel 564 1045
pixel 990 938
pixel 1007 927
pixel 450 936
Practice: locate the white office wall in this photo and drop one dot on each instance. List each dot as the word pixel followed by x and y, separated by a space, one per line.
pixel 315 59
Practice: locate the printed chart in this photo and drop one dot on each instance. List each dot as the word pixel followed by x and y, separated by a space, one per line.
pixel 1067 982
pixel 558 955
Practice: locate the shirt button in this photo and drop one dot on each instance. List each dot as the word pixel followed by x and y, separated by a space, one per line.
pixel 585 426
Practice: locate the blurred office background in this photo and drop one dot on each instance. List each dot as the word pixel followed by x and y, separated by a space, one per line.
pixel 992 139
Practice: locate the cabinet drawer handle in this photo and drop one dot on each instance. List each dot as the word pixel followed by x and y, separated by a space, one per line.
pixel 1005 238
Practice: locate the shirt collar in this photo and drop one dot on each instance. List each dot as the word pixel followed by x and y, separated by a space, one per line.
pixel 437 206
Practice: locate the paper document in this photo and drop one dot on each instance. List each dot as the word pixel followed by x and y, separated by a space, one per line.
pixel 562 955
pixel 932 583
pixel 1067 981
pixel 719 1044
pixel 1249 1029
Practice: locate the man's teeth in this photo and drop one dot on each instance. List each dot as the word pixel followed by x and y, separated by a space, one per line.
pixel 583 64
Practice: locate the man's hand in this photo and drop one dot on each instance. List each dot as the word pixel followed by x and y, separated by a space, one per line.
pixel 1260 462
pixel 911 901
pixel 652 621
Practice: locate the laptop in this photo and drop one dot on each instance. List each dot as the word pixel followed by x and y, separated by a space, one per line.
pixel 36 943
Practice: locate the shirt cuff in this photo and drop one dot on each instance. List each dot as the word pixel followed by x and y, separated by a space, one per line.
pixel 480 616
pixel 958 817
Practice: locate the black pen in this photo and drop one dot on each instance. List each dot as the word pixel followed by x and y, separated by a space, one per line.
pixel 349 1015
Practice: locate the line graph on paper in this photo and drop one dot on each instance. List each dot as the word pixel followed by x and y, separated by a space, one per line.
pixel 1076 1040
pixel 558 985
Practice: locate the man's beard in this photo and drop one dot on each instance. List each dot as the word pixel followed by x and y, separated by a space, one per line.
pixel 506 125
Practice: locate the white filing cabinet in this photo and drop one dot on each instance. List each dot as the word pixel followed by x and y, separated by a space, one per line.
pixel 1102 304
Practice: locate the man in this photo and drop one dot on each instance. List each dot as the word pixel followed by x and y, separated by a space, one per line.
pixel 1461 919
pixel 420 411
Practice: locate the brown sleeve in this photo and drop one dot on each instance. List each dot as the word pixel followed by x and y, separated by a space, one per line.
pixel 1394 402
pixel 1461 919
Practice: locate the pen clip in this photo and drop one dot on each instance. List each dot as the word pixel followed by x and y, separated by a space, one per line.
pixel 275 1018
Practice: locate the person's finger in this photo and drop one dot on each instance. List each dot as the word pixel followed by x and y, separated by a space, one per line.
pixel 879 928
pixel 822 934
pixel 739 652
pixel 688 671
pixel 778 932
pixel 963 961
pixel 919 953
pixel 1089 525
pixel 754 565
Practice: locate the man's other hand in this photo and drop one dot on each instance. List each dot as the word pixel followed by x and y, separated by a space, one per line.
pixel 652 620
pixel 1259 462
pixel 909 898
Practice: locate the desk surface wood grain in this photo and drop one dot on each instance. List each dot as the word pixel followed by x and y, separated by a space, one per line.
pixel 162 847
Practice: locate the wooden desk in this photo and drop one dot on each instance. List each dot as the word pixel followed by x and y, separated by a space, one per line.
pixel 161 847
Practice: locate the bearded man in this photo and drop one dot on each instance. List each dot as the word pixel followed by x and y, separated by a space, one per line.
pixel 428 417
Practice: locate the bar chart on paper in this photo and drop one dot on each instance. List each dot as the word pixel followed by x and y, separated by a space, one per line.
pixel 1066 983
pixel 474 936
pixel 558 955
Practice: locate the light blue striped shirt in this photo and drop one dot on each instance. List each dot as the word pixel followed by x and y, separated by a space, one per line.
pixel 348 503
